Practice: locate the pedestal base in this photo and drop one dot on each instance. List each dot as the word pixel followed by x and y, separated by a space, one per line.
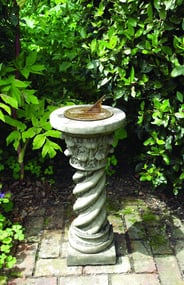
pixel 105 257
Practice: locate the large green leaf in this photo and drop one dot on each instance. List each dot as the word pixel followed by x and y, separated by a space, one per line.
pixel 30 133
pixel 13 136
pixel 53 133
pixel 31 58
pixel 15 123
pixel 20 84
pixel 178 71
pixel 50 148
pixel 31 99
pixel 9 100
pixel 2 118
pixel 39 141
pixel 6 108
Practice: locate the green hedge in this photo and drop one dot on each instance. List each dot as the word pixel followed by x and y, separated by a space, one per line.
pixel 136 53
pixel 129 50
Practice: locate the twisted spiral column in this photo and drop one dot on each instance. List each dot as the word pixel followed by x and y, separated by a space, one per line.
pixel 90 232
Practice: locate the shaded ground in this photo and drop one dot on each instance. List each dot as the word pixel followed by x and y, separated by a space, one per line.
pixel 149 233
pixel 32 194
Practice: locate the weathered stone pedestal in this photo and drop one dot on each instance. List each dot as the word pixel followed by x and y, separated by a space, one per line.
pixel 88 145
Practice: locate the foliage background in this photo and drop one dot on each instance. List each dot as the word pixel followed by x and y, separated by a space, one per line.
pixel 129 50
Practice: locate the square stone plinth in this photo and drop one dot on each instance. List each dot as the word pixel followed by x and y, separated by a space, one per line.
pixel 105 257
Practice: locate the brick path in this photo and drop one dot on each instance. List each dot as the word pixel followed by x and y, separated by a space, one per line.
pixel 150 249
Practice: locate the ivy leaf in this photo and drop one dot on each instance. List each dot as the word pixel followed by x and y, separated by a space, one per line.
pixel 132 22
pixel 28 22
pixel 21 3
pixel 169 4
pixel 132 75
pixel 103 82
pixel 149 141
pixel 157 4
pixel 150 11
pixel 179 96
pixel 178 71
pixel 93 45
pixel 92 64
pixel 113 42
pixel 166 159
pixel 100 10
pixel 120 134
pixel 179 115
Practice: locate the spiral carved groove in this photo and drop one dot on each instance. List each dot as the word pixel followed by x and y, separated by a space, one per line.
pixel 90 232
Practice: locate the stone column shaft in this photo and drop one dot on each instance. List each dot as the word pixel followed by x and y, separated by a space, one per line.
pixel 88 146
pixel 90 232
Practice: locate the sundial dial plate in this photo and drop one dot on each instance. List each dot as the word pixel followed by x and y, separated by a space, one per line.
pixel 83 113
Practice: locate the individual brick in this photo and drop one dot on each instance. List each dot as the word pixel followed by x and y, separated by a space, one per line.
pixel 50 244
pixel 168 270
pixel 142 257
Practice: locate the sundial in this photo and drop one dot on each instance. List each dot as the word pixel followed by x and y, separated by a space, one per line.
pixel 88 113
pixel 88 131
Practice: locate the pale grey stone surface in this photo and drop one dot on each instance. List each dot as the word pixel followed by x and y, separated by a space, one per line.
pixel 168 270
pixel 135 279
pixel 105 257
pixel 26 258
pixel 60 122
pixel 179 249
pixel 50 238
pixel 34 281
pixel 135 263
pixel 122 266
pixel 55 267
pixel 84 280
pixel 142 252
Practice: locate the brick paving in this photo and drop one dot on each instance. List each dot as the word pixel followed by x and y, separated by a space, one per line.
pixel 150 249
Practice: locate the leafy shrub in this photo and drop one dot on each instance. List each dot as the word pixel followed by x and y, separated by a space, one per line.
pixel 135 52
pixel 130 50
pixel 9 233
pixel 53 30
pixel 25 114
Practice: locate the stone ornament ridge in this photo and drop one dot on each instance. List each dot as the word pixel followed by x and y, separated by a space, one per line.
pixel 88 153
